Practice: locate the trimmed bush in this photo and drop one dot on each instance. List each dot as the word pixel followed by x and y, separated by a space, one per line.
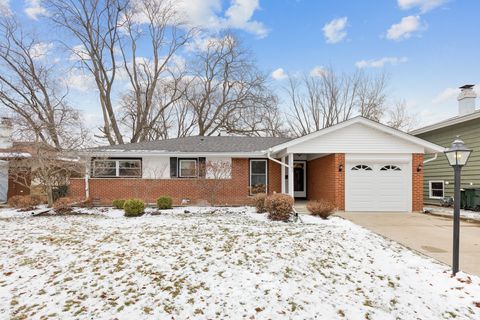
pixel 27 202
pixel 279 206
pixel 85 203
pixel 63 205
pixel 118 203
pixel 164 202
pixel 320 208
pixel 259 202
pixel 134 207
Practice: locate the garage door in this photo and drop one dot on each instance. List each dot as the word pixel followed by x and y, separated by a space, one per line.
pixel 377 186
pixel 3 181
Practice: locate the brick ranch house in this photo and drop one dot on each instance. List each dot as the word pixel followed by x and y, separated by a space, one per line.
pixel 358 165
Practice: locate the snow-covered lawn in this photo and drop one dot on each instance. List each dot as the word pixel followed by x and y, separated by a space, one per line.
pixel 227 264
pixel 448 212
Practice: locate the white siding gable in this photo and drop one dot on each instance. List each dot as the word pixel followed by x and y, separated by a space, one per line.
pixel 356 138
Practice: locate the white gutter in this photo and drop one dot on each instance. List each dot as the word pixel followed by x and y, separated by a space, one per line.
pixel 431 159
pixel 275 160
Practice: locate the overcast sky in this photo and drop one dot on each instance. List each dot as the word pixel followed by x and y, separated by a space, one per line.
pixel 428 47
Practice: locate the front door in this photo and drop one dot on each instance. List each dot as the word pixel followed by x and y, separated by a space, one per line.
pixel 300 179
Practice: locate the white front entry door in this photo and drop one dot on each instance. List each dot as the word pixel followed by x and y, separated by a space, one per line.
pixel 300 179
pixel 378 186
pixel 3 181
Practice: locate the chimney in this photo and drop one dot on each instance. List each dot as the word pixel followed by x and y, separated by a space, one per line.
pixel 5 133
pixel 466 100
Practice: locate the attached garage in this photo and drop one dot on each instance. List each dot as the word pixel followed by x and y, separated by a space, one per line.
pixel 359 165
pixel 378 183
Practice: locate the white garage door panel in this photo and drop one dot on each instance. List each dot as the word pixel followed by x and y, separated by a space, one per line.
pixel 376 189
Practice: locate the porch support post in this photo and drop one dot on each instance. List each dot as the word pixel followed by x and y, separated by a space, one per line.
pixel 290 175
pixel 283 175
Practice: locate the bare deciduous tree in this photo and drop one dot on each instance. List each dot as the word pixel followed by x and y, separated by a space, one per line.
pixel 225 85
pixel 96 25
pixel 320 101
pixel 156 81
pixel 217 175
pixel 400 118
pixel 31 90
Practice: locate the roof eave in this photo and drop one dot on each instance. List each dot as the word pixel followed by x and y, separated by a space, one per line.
pixel 140 153
pixel 446 123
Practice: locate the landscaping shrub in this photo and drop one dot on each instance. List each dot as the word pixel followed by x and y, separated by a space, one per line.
pixel 27 202
pixel 63 205
pixel 134 207
pixel 164 202
pixel 118 203
pixel 85 203
pixel 259 202
pixel 321 208
pixel 279 206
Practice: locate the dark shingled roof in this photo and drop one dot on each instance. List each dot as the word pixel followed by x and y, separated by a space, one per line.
pixel 201 144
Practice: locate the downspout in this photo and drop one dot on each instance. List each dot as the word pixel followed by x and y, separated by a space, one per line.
pixel 87 175
pixel 431 159
pixel 275 160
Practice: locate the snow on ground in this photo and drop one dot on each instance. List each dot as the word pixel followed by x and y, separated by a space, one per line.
pixel 228 263
pixel 445 211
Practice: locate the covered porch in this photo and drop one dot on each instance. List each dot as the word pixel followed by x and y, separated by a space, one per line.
pixel 313 177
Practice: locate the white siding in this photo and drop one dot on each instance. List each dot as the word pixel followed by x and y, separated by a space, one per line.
pixel 156 167
pixel 3 181
pixel 356 138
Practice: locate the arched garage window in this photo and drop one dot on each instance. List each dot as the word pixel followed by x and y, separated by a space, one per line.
pixel 390 167
pixel 362 167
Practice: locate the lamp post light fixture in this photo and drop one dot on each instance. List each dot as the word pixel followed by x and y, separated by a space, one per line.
pixel 457 156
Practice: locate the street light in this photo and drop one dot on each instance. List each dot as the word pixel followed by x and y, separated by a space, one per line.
pixel 457 156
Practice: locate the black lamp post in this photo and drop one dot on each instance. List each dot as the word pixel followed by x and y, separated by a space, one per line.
pixel 457 156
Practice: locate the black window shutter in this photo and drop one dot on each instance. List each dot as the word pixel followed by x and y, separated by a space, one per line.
pixel 173 167
pixel 202 162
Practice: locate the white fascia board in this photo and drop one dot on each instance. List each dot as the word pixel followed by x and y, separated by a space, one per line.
pixel 428 146
pixel 122 153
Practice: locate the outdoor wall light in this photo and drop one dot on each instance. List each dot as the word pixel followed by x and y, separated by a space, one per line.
pixel 420 167
pixel 340 168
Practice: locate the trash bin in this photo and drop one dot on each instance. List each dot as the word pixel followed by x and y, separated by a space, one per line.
pixel 470 199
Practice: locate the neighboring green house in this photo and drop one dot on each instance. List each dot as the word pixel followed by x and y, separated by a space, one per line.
pixel 438 174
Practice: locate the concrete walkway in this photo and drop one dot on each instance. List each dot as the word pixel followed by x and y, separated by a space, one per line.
pixel 430 235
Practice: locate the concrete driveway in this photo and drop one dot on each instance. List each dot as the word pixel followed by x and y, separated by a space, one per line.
pixel 427 234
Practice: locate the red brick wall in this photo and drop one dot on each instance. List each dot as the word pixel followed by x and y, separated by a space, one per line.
pixel 230 191
pixel 325 181
pixel 274 177
pixel 417 183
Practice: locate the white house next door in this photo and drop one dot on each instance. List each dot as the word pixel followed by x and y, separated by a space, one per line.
pixel 378 185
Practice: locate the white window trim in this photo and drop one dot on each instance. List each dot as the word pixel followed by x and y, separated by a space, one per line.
pixel 250 175
pixel 180 168
pixel 430 195
pixel 117 168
